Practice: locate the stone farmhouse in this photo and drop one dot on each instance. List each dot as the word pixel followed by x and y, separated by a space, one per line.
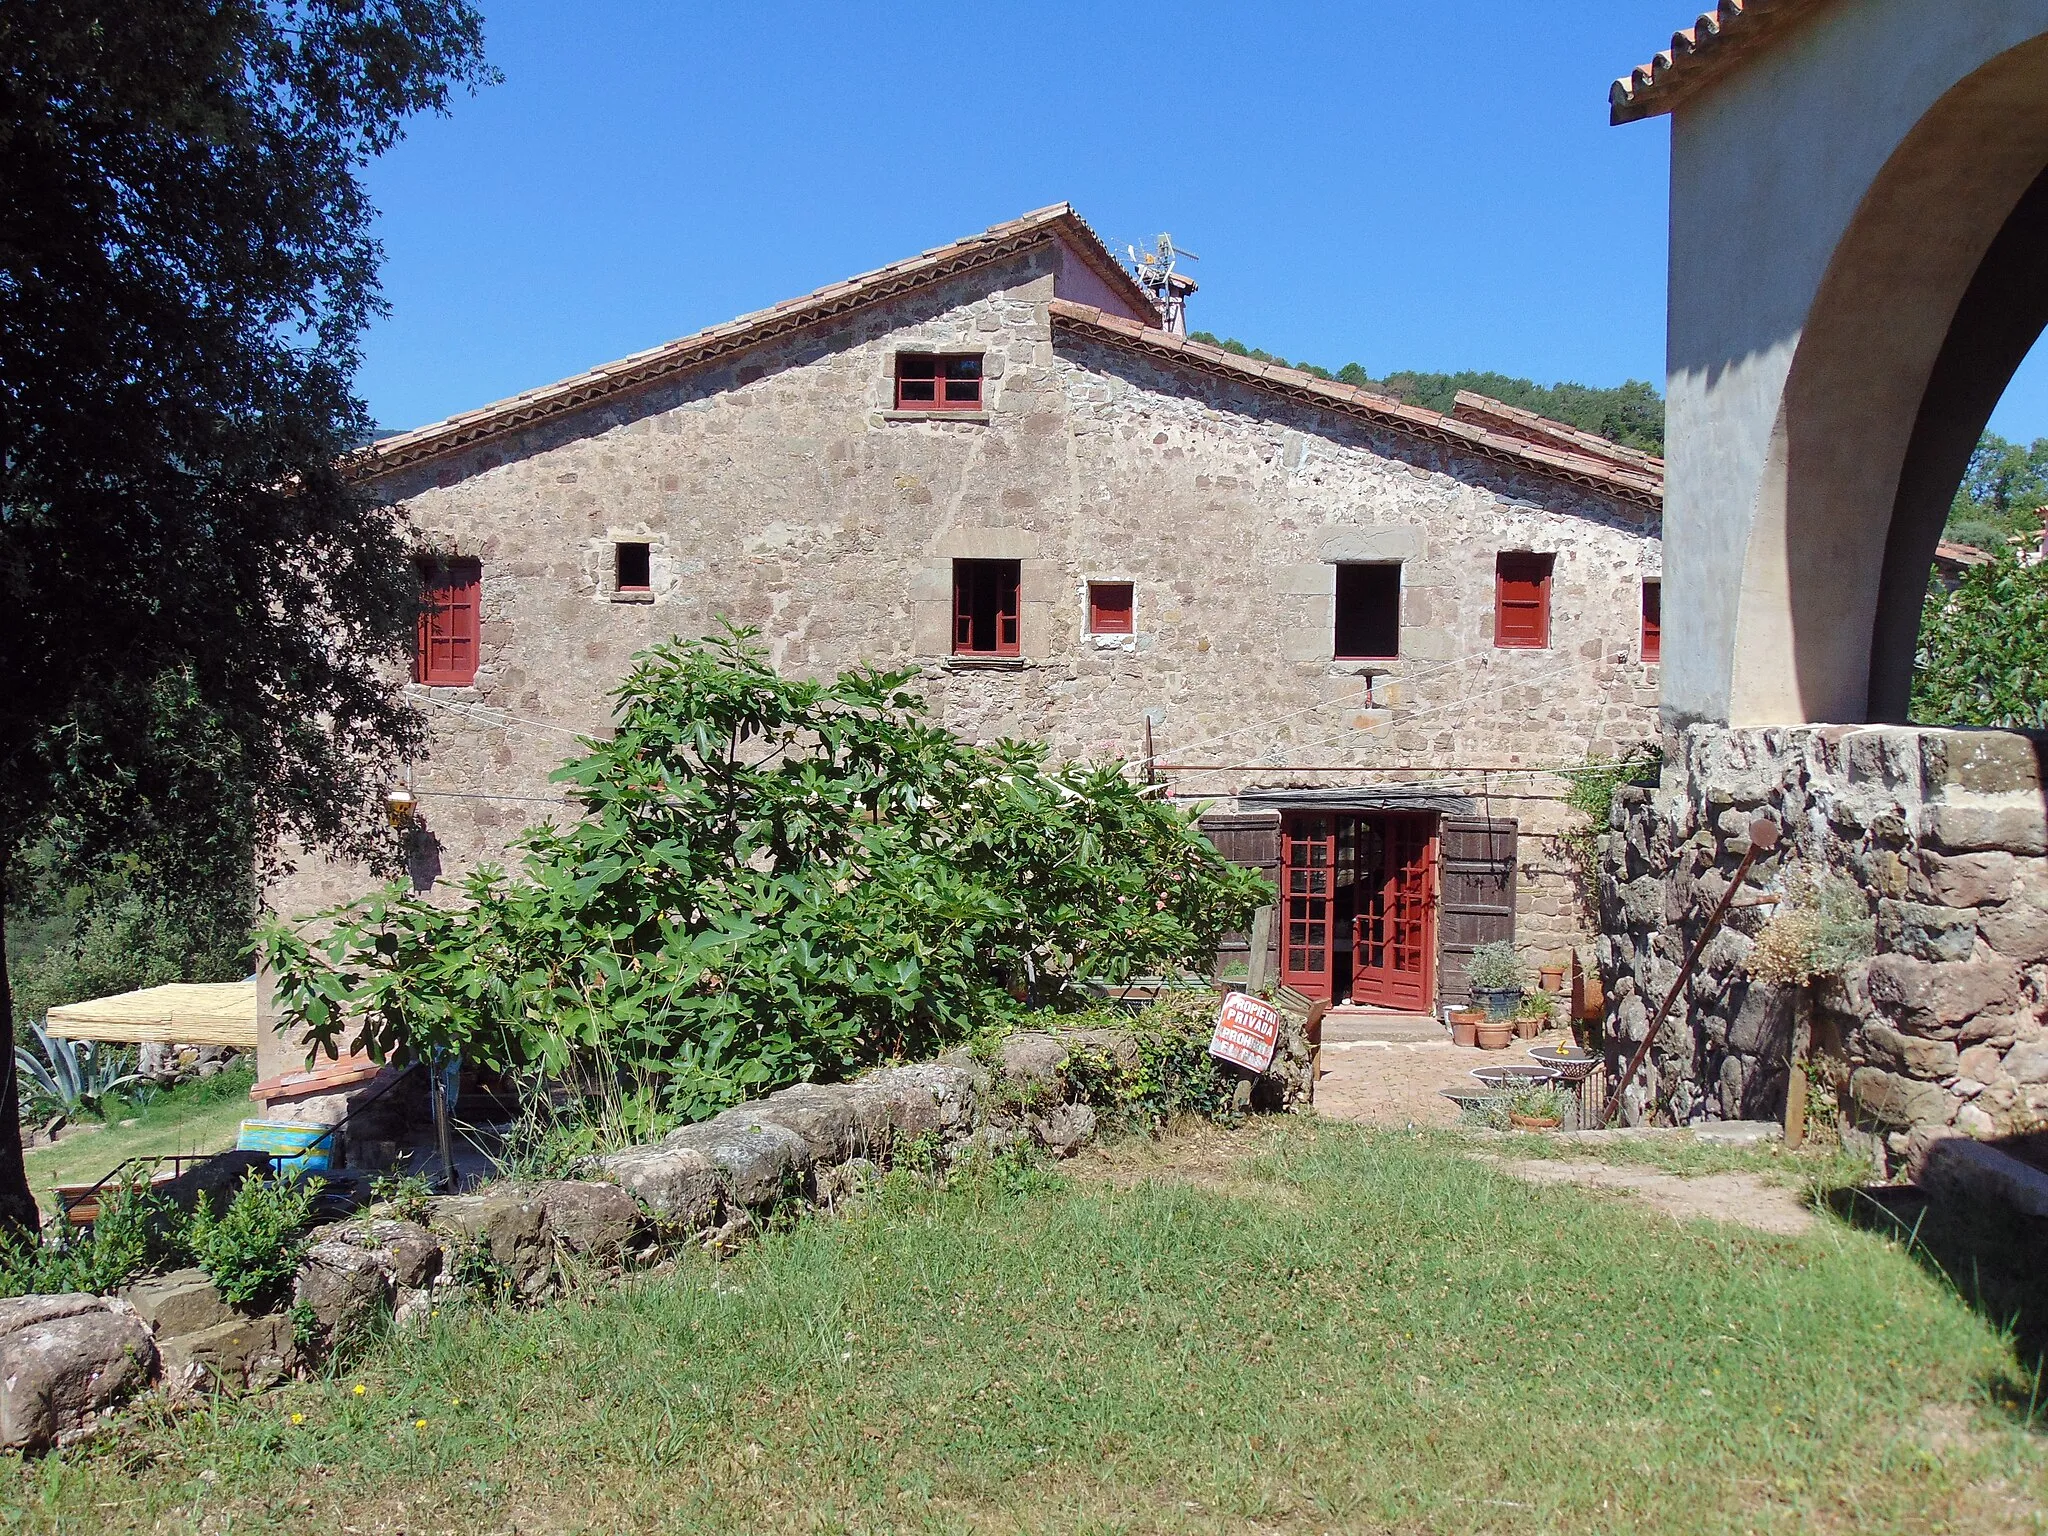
pixel 1359 631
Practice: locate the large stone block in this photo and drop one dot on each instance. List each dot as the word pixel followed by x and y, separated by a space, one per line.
pixel 248 1353
pixel 2028 1063
pixel 183 1301
pixel 1927 998
pixel 596 1222
pixel 343 1287
pixel 1897 1101
pixel 1926 932
pixel 1930 1059
pixel 680 1185
pixel 1963 879
pixel 2018 927
pixel 760 1160
pixel 2012 823
pixel 506 1223
pixel 821 1116
pixel 62 1359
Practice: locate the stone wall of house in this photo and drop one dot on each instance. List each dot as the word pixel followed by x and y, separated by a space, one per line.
pixel 781 490
pixel 1940 1032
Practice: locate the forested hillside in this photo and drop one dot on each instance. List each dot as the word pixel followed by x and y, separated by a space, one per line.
pixel 1631 414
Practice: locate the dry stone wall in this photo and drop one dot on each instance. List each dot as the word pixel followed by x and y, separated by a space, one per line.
pixel 1943 831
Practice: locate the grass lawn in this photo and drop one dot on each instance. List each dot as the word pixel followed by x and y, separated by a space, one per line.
pixel 201 1116
pixel 1296 1327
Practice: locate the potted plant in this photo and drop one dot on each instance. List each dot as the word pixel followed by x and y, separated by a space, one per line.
pixel 1465 1024
pixel 1497 978
pixel 1491 1034
pixel 1534 1015
pixel 1539 1107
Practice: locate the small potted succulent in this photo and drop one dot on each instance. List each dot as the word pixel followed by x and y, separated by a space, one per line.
pixel 1497 978
pixel 1539 1107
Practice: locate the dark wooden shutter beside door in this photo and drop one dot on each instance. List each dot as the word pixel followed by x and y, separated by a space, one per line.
pixel 1477 904
pixel 1251 839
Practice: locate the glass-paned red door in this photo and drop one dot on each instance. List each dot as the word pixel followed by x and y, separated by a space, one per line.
pixel 1308 855
pixel 1394 937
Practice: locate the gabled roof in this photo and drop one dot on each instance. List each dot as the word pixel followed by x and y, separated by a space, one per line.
pixel 1513 421
pixel 1058 222
pixel 1722 38
pixel 1564 453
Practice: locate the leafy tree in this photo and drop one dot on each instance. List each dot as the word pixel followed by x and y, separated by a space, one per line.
pixel 774 880
pixel 1983 657
pixel 2002 493
pixel 195 606
pixel 1630 414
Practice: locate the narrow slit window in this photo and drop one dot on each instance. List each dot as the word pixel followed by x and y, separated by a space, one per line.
pixel 1521 609
pixel 449 628
pixel 985 607
pixel 927 381
pixel 1109 607
pixel 1368 612
pixel 632 567
pixel 1653 621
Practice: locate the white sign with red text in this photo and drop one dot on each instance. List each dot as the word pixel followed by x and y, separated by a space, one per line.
pixel 1247 1032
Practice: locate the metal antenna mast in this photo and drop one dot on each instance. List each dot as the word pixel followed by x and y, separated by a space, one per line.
pixel 1156 274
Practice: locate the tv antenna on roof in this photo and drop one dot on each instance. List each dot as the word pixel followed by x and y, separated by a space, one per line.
pixel 1156 274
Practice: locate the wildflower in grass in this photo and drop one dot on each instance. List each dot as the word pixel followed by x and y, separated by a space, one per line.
pixel 419 1423
pixel 298 1418
pixel 361 1389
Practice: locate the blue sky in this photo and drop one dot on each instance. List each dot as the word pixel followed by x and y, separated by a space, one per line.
pixel 1404 186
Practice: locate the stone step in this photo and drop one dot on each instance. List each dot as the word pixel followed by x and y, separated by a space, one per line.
pixel 1346 1025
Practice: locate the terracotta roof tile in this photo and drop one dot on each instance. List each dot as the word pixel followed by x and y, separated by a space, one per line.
pixel 533 406
pixel 1733 31
pixel 1609 469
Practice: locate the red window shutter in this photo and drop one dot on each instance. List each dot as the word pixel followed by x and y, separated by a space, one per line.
pixel 1653 621
pixel 1521 618
pixel 1109 607
pixel 451 596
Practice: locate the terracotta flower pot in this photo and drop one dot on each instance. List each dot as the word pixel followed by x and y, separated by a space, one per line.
pixel 1533 1122
pixel 1527 1027
pixel 1494 1034
pixel 1465 1026
pixel 1551 978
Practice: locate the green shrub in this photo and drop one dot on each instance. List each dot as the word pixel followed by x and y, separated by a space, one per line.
pixel 1983 654
pixel 775 880
pixel 1174 1073
pixel 137 1231
pixel 252 1249
pixel 1537 1005
pixel 1538 1101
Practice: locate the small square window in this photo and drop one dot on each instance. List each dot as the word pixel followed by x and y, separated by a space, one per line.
pixel 632 567
pixel 927 381
pixel 1368 612
pixel 451 593
pixel 1109 607
pixel 1653 621
pixel 1521 606
pixel 985 607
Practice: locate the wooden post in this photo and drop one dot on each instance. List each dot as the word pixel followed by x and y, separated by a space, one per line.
pixel 1795 1077
pixel 1259 964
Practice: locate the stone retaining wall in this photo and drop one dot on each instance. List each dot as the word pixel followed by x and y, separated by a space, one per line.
pixel 1944 832
pixel 66 1361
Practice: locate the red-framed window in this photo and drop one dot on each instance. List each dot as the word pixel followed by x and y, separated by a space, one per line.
pixel 451 594
pixel 1110 607
pixel 1653 621
pixel 985 607
pixel 927 381
pixel 1521 601
pixel 1368 613
pixel 632 567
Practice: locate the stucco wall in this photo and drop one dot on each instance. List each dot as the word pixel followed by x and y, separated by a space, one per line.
pixel 783 492
pixel 1779 505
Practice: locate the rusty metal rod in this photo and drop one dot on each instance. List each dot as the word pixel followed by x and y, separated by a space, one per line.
pixel 1763 837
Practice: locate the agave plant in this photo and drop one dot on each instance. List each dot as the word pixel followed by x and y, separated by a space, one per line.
pixel 73 1075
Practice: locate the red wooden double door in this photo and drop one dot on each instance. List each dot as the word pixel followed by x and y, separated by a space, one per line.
pixel 1358 907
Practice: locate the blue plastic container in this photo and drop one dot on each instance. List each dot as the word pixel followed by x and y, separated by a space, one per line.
pixel 299 1148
